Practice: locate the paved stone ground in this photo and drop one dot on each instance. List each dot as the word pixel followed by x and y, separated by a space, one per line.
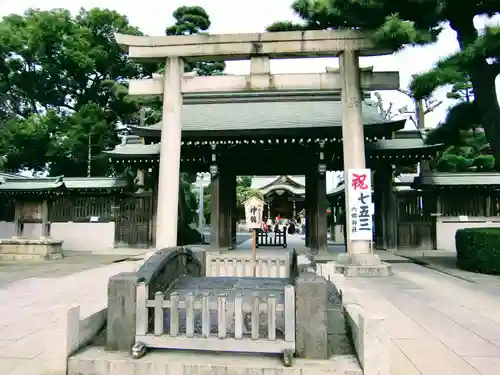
pixel 240 237
pixel 73 262
pixel 446 262
pixel 439 324
pixel 30 292
pixel 441 320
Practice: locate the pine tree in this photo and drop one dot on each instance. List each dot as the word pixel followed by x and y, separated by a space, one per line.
pixel 398 23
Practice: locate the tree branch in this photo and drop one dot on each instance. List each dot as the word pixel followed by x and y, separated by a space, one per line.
pixel 431 107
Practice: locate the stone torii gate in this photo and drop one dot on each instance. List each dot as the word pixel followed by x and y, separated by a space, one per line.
pixel 348 81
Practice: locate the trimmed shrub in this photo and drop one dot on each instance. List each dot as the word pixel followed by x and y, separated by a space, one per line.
pixel 478 250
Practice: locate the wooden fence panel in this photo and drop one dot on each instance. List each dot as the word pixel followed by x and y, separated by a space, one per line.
pixel 81 208
pixel 184 331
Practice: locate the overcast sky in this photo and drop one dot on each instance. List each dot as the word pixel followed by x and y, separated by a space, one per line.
pixel 229 16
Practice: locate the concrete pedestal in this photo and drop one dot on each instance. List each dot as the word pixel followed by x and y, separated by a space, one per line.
pixel 364 265
pixel 30 250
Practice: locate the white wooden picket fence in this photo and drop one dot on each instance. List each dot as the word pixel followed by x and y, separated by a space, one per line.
pixel 190 338
pixel 241 265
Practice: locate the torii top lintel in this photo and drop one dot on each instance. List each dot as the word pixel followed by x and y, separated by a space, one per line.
pixel 289 44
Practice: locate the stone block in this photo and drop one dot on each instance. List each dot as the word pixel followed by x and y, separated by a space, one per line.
pixel 375 352
pixel 201 254
pixel 95 361
pixel 359 259
pixel 165 266
pixel 383 269
pixel 339 344
pixel 29 249
pixel 336 321
pixel 311 321
pixel 61 340
pixel 121 311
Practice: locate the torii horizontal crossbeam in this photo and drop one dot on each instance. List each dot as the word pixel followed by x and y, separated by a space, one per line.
pixel 290 44
pixel 327 82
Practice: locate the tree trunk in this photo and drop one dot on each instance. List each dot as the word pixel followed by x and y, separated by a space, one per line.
pixel 482 78
pixel 487 103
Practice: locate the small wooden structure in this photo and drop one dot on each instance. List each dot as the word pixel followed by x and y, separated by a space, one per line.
pixel 276 239
pixel 239 264
pixel 176 304
pixel 254 210
pixel 205 339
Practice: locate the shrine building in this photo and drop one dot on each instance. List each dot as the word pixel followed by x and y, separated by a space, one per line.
pixel 265 124
pixel 288 129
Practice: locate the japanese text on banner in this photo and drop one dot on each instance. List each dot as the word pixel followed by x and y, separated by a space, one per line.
pixel 360 206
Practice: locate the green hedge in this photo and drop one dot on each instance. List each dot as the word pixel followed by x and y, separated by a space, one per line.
pixel 478 250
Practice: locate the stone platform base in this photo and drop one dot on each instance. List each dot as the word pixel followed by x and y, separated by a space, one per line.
pixel 383 269
pixel 97 361
pixel 362 265
pixel 30 250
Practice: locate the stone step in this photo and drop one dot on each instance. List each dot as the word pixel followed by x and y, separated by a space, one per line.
pixel 97 361
pixel 29 257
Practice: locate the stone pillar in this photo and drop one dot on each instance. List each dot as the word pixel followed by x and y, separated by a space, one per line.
pixel 311 321
pixel 352 129
pixel 120 332
pixel 45 219
pixel 170 155
pixel 359 260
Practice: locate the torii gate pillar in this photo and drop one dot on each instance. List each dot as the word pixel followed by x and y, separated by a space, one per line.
pixel 359 259
pixel 170 155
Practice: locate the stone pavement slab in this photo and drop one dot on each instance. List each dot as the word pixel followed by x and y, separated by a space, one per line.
pixel 28 307
pixel 73 262
pixel 438 324
pixel 95 360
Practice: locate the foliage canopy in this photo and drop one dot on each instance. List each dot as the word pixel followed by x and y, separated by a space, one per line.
pixel 395 24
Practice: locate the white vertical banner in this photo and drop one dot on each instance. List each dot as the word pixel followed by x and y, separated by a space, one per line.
pixel 359 215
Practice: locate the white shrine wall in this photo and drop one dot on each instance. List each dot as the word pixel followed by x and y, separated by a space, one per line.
pixel 446 227
pixel 85 236
pixel 75 236
pixel 7 229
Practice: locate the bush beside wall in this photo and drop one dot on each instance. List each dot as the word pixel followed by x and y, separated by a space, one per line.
pixel 478 250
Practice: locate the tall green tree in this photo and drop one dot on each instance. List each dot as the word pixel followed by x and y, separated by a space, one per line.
pixel 190 20
pixel 398 23
pixel 63 89
pixel 468 148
